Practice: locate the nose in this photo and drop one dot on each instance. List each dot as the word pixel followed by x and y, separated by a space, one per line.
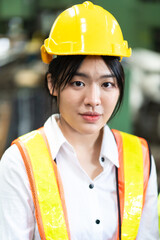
pixel 93 96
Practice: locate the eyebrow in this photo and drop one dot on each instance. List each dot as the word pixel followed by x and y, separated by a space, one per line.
pixel 80 74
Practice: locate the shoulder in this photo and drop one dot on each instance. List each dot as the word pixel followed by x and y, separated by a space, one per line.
pixel 125 134
pixel 130 140
pixel 12 171
pixel 11 157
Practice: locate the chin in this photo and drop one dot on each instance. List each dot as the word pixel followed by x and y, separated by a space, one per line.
pixel 90 130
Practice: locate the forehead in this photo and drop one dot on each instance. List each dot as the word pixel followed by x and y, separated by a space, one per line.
pixel 94 65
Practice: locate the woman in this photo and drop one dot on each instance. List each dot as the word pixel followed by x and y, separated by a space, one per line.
pixel 75 178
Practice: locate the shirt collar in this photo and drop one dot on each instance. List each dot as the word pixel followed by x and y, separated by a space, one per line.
pixel 54 135
pixel 56 139
pixel 109 148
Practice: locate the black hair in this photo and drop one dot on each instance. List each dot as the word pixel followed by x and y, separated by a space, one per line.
pixel 63 68
pixel 116 68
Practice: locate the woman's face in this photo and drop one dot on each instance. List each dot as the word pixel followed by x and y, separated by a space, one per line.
pixel 87 102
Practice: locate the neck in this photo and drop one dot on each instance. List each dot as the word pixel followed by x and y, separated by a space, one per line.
pixel 81 140
pixel 87 148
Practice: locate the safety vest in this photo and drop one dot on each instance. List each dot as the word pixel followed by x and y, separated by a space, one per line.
pixel 47 191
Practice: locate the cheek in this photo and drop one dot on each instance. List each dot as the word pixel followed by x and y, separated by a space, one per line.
pixel 71 95
pixel 112 99
pixel 68 100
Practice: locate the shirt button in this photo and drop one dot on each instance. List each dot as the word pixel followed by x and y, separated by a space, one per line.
pixel 97 221
pixel 102 159
pixel 91 185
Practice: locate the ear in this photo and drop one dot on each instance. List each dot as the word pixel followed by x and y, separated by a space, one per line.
pixel 52 91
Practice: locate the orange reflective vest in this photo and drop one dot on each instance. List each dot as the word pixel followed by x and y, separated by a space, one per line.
pixel 50 211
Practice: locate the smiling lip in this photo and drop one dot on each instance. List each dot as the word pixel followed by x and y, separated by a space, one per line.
pixel 91 116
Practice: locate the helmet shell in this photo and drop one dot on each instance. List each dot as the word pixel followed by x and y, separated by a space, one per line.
pixel 85 29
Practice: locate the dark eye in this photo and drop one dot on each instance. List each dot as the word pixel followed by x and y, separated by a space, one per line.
pixel 78 84
pixel 107 84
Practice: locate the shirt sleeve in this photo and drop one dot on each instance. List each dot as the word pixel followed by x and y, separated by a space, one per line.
pixel 149 221
pixel 17 220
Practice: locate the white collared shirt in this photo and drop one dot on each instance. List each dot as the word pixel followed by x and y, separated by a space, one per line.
pixel 91 204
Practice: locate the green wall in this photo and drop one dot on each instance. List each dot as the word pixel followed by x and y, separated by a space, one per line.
pixel 18 8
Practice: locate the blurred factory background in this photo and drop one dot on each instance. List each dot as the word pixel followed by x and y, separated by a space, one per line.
pixel 24 104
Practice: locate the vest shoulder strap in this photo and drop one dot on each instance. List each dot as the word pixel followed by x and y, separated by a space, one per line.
pixel 133 175
pixel 42 174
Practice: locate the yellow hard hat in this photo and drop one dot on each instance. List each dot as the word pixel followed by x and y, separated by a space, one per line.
pixel 85 29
